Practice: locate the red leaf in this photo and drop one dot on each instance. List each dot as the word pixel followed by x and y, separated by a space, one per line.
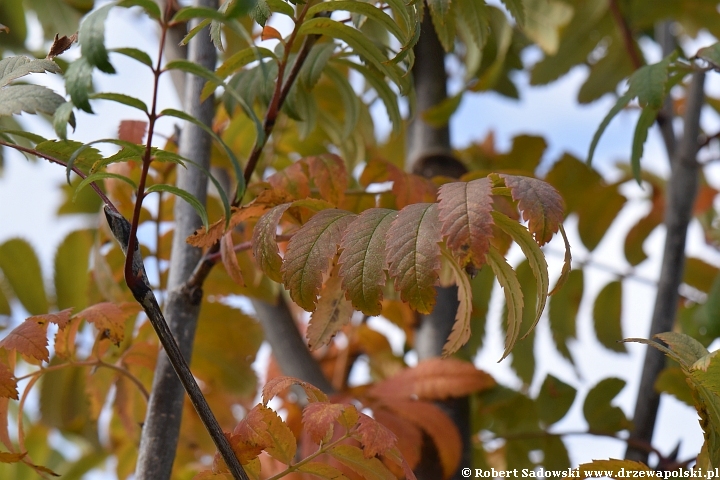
pixel 292 180
pixel 29 338
pixel 273 387
pixel 319 418
pixel 413 254
pixel 132 131
pixel 363 262
pixel 309 253
pixel 433 379
pixel 330 176
pixel 464 211
pixel 109 318
pixel 376 439
pixel 541 205
pixel 333 312
pixel 229 260
pixel 8 383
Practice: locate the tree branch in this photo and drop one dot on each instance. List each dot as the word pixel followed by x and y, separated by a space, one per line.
pixel 681 193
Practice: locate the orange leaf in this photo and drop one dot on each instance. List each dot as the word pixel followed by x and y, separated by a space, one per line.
pixel 353 458
pixel 132 131
pixel 332 313
pixel 60 318
pixel 229 260
pixel 329 175
pixel 309 252
pixel 109 318
pixel 541 205
pixel 65 339
pixel 269 33
pixel 273 387
pixel 464 212
pixel 265 249
pixel 376 439
pixel 437 425
pixel 29 338
pixel 433 379
pixel 409 436
pixel 281 443
pixel 249 436
pixel 8 383
pixel 413 254
pixel 7 457
pixel 291 180
pixel 319 418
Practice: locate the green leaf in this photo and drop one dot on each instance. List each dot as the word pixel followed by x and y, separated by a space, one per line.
pixel 91 38
pixel 78 82
pixel 193 68
pixel 261 12
pixel 535 258
pixel 265 249
pixel 63 399
pixel 475 15
pixel 600 415
pixel 188 13
pixel 350 101
pixel 71 270
pixel 673 381
pixel 63 115
pixel 242 58
pixel 101 176
pixel 316 61
pixel 360 44
pixel 309 252
pixel 28 98
pixel 4 303
pixel 135 54
pixel 362 261
pixel 554 400
pixel 649 82
pixel 194 202
pixel 710 54
pixel 149 6
pixel 443 19
pixel 544 21
pixel 122 99
pixel 12 68
pixel 646 120
pixel 607 316
pixel 413 254
pixel 194 31
pixel 563 311
pixel 236 164
pixel 25 277
pixel 439 115
pixel 279 6
pixel 513 296
pixel 619 105
pixel 516 9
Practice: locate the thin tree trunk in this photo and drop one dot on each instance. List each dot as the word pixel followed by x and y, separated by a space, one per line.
pixel 425 141
pixel 681 192
pixel 164 412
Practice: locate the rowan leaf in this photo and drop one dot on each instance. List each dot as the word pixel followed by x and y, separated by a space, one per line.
pixel 513 297
pixel 433 379
pixel 541 205
pixel 460 333
pixel 29 338
pixel 71 270
pixel 8 383
pixel 229 259
pixel 91 38
pixel 321 470
pixel 265 249
pixel 353 458
pixel 309 253
pixel 375 438
pixel 12 68
pixel 554 400
pixel 645 121
pixel 135 54
pixel 672 380
pixel 413 254
pixel 276 385
pixel 535 258
pixel 362 261
pixel 600 415
pixel 330 176
pixel 563 311
pixel 109 318
pixel 332 313
pixel 28 98
pixel 189 198
pixel 567 264
pixel 319 418
pixel 121 99
pixel 516 9
pixel 464 209
pixel 8 457
pixel 25 278
pixel 607 317
pixel 409 435
pixel 282 444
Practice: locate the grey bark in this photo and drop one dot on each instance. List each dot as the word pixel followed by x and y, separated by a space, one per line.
pixel 288 346
pixel 162 423
pixel 430 80
pixel 681 192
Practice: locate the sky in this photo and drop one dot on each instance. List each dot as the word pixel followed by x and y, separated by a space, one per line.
pixel 29 198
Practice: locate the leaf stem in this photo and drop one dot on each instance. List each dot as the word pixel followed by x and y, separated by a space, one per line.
pixel 309 458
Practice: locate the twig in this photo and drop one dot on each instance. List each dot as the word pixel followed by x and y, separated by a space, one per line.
pixel 626 34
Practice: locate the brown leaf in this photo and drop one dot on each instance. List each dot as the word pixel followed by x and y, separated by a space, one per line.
pixel 229 259
pixel 8 383
pixel 132 131
pixel 61 44
pixel 541 205
pixel 109 318
pixel 29 338
pixel 4 28
pixel 273 387
pixel 7 457
pixel 333 312
pixel 464 211
pixel 329 175
pixel 376 439
pixel 60 318
pixel 409 435
pixel 433 379
pixel 265 248
pixel 269 33
pixel 292 180
pixel 319 418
